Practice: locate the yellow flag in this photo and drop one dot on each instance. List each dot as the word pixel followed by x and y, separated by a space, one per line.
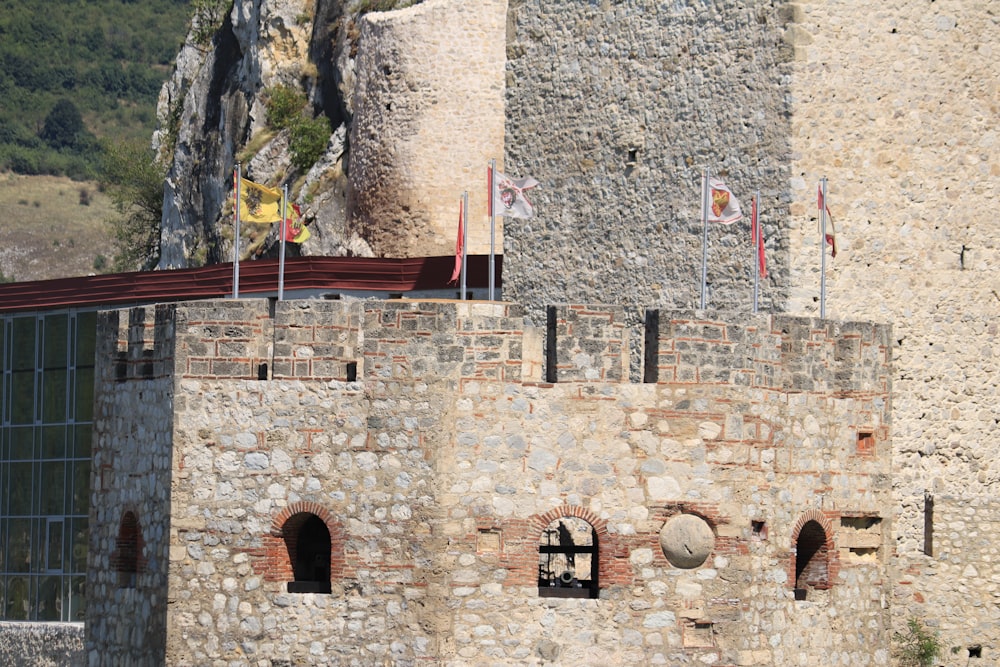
pixel 259 204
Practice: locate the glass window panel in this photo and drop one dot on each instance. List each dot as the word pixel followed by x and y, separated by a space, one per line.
pixel 4 491
pixel 81 488
pixel 49 599
pixel 54 546
pixel 3 354
pixel 84 394
pixel 19 483
pixel 56 332
pixel 77 599
pixel 21 443
pixel 86 334
pixel 22 397
pixel 18 545
pixel 53 442
pixel 78 563
pixel 16 602
pixel 81 441
pixel 3 548
pixel 23 344
pixel 54 387
pixel 53 488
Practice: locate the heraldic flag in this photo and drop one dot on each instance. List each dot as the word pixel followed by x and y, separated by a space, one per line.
pixel 295 229
pixel 723 206
pixel 259 204
pixel 508 196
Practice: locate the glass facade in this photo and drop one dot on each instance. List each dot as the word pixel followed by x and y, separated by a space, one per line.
pixel 46 422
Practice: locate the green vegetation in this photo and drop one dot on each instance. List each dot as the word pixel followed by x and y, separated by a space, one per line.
pixel 206 19
pixel 76 71
pixel 365 6
pixel 134 180
pixel 286 108
pixel 917 647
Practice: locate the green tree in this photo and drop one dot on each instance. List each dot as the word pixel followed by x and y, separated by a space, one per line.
pixel 133 178
pixel 63 126
pixel 308 140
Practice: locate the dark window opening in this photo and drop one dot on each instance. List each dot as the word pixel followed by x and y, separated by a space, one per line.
pixel 125 559
pixel 976 651
pixel 550 345
pixel 261 371
pixel 147 364
pixel 928 524
pixel 758 530
pixel 567 560
pixel 651 346
pixel 352 371
pixel 308 542
pixel 811 560
pixel 121 366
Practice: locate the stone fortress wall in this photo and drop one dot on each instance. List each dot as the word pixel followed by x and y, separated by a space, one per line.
pixel 426 439
pixel 428 117
pixel 616 106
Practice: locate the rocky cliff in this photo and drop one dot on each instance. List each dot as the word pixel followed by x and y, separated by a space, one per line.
pixel 414 100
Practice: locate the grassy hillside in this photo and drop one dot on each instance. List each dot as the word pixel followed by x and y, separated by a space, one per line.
pixel 46 231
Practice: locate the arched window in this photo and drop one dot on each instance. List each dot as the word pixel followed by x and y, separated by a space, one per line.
pixel 567 559
pixel 812 560
pixel 307 540
pixel 128 550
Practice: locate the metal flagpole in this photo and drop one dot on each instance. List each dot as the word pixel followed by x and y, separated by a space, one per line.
pixel 238 178
pixel 822 249
pixel 704 240
pixel 493 223
pixel 281 227
pixel 465 237
pixel 755 241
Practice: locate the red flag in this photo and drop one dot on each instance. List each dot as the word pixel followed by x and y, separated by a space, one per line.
pixel 458 249
pixel 757 238
pixel 831 236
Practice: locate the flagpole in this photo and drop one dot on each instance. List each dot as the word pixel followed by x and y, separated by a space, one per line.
pixel 465 238
pixel 822 250
pixel 704 240
pixel 238 178
pixel 493 224
pixel 755 242
pixel 281 246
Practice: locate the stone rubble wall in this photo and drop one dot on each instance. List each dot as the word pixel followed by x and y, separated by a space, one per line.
pixel 438 468
pixel 428 117
pixel 616 108
pixel 133 441
pixel 42 645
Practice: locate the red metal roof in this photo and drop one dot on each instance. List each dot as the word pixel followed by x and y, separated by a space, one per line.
pixel 333 274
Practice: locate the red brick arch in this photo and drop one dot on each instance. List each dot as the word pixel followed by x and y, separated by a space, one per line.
pixel 273 560
pixel 822 571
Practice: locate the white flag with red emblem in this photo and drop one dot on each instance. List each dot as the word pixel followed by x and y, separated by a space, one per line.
pixel 722 205
pixel 508 196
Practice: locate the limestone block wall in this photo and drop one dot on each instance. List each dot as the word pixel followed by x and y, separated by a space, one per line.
pixel 616 108
pixel 896 105
pixel 428 117
pixel 131 476
pixel 438 469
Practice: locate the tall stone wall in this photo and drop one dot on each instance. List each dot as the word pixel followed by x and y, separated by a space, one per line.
pixel 126 620
pixel 616 108
pixel 896 104
pixel 42 645
pixel 428 117
pixel 416 433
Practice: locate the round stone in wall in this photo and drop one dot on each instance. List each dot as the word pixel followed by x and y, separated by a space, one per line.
pixel 686 540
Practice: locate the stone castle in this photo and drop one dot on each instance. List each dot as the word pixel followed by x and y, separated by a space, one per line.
pixel 718 487
pixel 464 508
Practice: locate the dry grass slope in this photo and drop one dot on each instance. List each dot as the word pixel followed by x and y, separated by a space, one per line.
pixel 47 232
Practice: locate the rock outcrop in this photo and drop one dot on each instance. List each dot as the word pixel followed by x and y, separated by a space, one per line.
pixel 427 123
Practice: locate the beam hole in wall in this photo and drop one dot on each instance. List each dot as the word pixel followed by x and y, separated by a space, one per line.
pixel 308 542
pixel 352 371
pixel 928 524
pixel 568 560
pixel 698 634
pixel 865 444
pixel 758 530
pixel 976 651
